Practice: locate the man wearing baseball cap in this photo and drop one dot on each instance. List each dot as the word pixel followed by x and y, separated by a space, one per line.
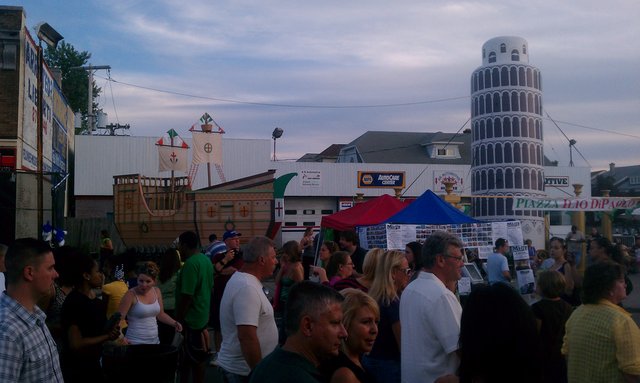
pixel 226 261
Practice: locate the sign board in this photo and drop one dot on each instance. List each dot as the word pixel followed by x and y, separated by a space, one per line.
pixel 381 179
pixel 345 204
pixel 520 252
pixel 440 177
pixel 560 181
pixel 310 178
pixel 576 204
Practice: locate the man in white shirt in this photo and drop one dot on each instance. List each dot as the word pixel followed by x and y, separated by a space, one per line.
pixel 497 265
pixel 430 313
pixel 246 315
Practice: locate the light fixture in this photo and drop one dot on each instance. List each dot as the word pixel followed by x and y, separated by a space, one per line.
pixel 572 142
pixel 277 133
pixel 46 33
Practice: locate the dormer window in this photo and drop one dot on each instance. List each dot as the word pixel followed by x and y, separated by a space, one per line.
pixel 503 48
pixel 515 55
pixel 492 57
pixel 445 152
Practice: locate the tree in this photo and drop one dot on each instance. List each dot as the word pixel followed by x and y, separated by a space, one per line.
pixel 74 81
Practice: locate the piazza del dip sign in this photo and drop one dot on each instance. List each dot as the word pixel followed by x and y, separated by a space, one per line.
pixel 576 204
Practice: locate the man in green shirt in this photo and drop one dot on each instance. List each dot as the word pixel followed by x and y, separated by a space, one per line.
pixel 193 296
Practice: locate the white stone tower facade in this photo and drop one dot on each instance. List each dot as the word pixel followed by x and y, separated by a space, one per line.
pixel 507 145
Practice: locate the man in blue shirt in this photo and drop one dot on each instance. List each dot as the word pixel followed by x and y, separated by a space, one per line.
pixel 28 353
pixel 497 266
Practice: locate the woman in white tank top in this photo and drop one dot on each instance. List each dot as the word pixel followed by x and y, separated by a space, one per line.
pixel 142 305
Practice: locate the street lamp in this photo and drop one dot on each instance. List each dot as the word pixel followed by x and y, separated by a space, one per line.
pixel 572 142
pixel 277 133
pixel 51 37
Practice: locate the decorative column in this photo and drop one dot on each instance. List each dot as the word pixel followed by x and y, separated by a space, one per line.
pixel 578 219
pixel 606 220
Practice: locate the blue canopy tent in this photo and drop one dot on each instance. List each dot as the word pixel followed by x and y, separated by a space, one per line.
pixel 429 209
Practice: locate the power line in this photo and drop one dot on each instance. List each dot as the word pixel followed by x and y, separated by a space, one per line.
pixel 308 106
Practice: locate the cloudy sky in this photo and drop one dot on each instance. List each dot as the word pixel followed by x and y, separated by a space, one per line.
pixel 328 71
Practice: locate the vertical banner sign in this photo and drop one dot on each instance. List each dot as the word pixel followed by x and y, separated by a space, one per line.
pixel 30 105
pixel 279 210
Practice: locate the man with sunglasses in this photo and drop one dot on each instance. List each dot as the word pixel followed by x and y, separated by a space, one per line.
pixel 430 313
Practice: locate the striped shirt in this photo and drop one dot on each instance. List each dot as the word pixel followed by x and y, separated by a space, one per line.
pixel 28 353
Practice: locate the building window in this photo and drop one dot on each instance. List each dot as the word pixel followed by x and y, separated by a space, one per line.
pixel 492 57
pixel 634 180
pixel 504 76
pixel 516 153
pixel 525 154
pixel 489 131
pixel 291 223
pixel 503 48
pixel 515 55
pixel 500 203
pixel 445 152
pixel 507 153
pixel 522 81
pixel 308 223
pixel 524 49
pixel 509 180
pixel 495 77
pixel 507 127
pixel 483 178
pixel 496 102
pixel 516 127
pixel 525 176
pixel 513 76
pixel 492 182
pixel 290 212
pixel 488 104
pixel 514 102
pixel 492 206
pixel 487 78
pixel 498 127
pixel 498 153
pixel 326 211
pixel 499 179
pixel 480 81
pixel 490 155
pixel 308 212
pixel 518 179
pixel 505 102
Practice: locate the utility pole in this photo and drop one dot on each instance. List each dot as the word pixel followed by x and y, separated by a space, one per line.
pixel 90 69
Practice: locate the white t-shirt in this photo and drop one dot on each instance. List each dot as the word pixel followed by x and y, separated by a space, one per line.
pixel 430 316
pixel 244 303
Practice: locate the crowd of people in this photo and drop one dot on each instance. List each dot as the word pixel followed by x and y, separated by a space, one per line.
pixel 365 316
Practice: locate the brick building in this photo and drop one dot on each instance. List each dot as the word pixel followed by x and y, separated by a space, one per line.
pixel 19 69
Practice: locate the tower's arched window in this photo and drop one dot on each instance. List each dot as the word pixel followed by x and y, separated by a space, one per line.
pixel 532 156
pixel 497 124
pixel 505 102
pixel 522 80
pixel 508 155
pixel 482 132
pixel 496 102
pixel 487 78
pixel 518 179
pixel 516 153
pixel 535 79
pixel 498 153
pixel 526 178
pixel 489 129
pixel 516 127
pixel 515 55
pixel 525 154
pixel 529 77
pixel 490 126
pixel 480 81
pixel 484 206
pixel 503 48
pixel 483 179
pixel 495 77
pixel 514 102
pixel 532 132
pixel 540 181
pixel 504 76
pixel 483 156
pixel 523 102
pixel 492 57
pixel 500 206
pixel 524 49
pixel 481 109
pixel 492 183
pixel 476 132
pixel 508 180
pixel 530 103
pixel 490 154
pixel 506 125
pixel 492 204
pixel 513 75
pixel 539 156
pixel 477 181
pixel 488 104
pixel 499 179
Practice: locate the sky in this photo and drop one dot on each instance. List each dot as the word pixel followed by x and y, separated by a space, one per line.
pixel 328 71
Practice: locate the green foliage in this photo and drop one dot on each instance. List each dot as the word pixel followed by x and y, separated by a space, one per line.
pixel 74 81
pixel 605 183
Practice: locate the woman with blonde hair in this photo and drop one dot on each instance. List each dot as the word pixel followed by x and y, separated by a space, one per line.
pixel 360 317
pixel 392 276
pixel 142 305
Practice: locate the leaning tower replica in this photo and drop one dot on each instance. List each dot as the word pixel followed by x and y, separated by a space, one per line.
pixel 506 120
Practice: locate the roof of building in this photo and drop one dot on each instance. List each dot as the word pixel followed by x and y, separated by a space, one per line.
pixel 409 147
pixel 330 154
pixel 621 175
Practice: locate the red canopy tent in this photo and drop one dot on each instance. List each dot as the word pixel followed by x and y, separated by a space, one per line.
pixel 368 213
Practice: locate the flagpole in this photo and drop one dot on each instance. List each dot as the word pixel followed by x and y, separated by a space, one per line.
pixel 171 195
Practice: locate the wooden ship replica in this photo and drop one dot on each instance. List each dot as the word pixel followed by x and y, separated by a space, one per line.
pixel 154 211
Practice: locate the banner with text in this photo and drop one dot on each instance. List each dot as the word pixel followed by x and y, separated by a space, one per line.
pixel 381 179
pixel 576 204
